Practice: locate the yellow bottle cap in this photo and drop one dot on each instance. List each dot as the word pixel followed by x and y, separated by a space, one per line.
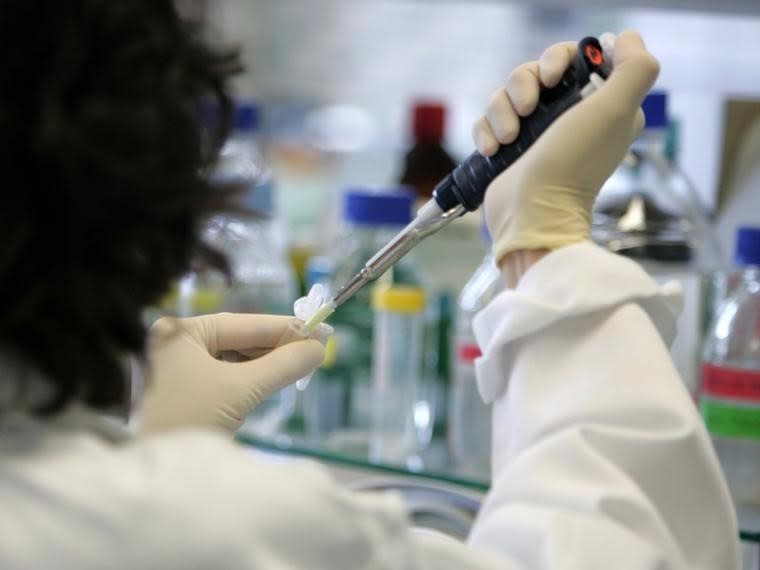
pixel 398 298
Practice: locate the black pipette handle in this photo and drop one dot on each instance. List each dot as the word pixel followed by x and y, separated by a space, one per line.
pixel 467 184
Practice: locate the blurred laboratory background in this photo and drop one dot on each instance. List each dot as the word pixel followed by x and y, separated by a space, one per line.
pixel 348 114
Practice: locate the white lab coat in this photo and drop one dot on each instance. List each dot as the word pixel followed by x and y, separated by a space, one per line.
pixel 600 461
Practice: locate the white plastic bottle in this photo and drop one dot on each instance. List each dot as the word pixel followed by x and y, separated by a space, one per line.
pixel 264 281
pixel 730 391
pixel 397 382
pixel 469 431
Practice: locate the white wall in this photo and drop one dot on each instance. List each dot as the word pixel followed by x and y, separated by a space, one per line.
pixel 381 54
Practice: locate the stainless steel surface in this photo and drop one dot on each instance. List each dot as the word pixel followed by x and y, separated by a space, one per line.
pixel 355 283
pixel 431 506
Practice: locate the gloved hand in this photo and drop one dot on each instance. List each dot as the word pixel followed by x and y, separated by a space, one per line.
pixel 188 385
pixel 544 200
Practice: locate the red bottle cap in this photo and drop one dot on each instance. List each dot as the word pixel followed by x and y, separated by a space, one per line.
pixel 429 121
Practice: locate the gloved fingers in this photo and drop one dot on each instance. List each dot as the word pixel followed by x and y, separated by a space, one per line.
pixel 634 72
pixel 242 355
pixel 501 124
pixel 168 330
pixel 525 82
pixel 639 121
pixel 238 331
pixel 163 329
pixel 555 61
pixel 321 333
pixel 484 138
pixel 523 88
pixel 519 98
pixel 502 117
pixel 634 127
pixel 280 367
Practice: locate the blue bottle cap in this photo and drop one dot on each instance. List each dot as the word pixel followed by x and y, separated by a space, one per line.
pixel 655 107
pixel 246 116
pixel 747 250
pixel 367 207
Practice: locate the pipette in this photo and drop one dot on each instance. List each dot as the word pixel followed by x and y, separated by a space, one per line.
pixel 464 189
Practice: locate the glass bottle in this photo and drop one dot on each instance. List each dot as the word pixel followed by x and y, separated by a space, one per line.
pixel 730 391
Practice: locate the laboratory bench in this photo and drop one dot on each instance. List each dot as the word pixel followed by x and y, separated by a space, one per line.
pixel 439 494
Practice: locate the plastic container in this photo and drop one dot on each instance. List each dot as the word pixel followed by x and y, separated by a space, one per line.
pixel 371 219
pixel 469 434
pixel 730 391
pixel 649 211
pixel 397 381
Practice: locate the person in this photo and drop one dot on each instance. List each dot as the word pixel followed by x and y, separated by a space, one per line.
pixel 600 459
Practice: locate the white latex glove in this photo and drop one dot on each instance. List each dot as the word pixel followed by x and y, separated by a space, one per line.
pixel 190 386
pixel 544 200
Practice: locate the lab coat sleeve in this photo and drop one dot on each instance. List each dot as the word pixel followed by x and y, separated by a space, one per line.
pixel 600 459
pixel 239 511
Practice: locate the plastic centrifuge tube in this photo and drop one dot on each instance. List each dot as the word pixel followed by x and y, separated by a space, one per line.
pixel 310 312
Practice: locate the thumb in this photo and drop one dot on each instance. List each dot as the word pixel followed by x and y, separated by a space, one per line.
pixel 282 366
pixel 634 72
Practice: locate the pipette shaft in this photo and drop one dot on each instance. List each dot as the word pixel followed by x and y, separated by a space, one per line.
pixel 464 189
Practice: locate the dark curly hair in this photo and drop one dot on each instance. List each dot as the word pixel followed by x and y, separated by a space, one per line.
pixel 103 190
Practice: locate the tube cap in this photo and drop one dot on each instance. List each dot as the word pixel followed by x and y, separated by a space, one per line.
pixel 655 107
pixel 246 116
pixel 398 299
pixel 747 250
pixel 428 121
pixel 367 207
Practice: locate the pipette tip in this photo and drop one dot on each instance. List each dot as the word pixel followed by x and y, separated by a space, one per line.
pixel 319 317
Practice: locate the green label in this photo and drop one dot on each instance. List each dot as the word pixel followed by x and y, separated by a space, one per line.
pixel 728 420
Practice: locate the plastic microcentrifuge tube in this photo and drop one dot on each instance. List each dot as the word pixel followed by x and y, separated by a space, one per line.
pixel 293 333
pixel 309 311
